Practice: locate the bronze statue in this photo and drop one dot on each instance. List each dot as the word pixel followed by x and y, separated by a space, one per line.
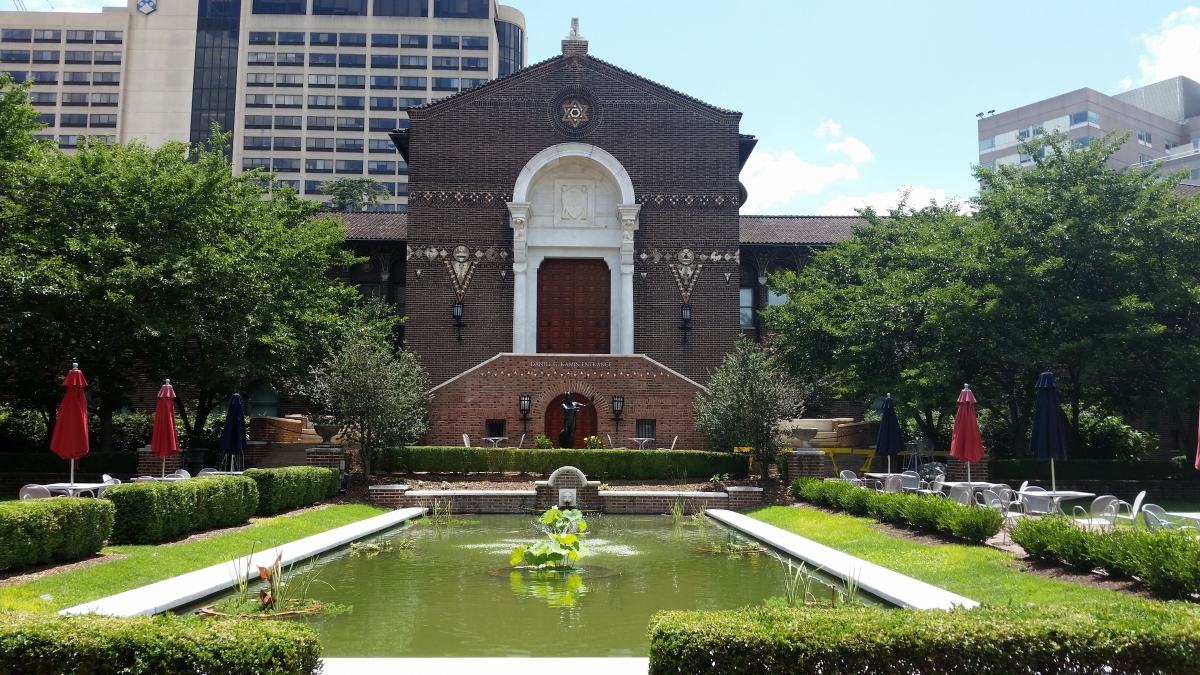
pixel 566 437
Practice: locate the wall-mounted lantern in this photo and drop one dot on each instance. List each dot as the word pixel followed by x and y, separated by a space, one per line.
pixel 685 315
pixel 618 407
pixel 457 312
pixel 523 404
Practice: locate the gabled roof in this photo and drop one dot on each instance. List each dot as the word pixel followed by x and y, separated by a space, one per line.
pixel 374 225
pixel 1187 189
pixel 797 230
pixel 558 61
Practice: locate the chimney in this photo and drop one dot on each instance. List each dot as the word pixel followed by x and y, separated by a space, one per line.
pixel 574 43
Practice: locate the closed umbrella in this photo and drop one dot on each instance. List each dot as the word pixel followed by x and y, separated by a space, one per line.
pixel 1049 438
pixel 889 443
pixel 965 443
pixel 163 441
pixel 233 434
pixel 70 439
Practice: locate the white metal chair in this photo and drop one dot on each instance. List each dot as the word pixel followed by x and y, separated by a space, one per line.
pixel 934 487
pixel 1036 506
pixel 181 473
pixel 673 442
pixel 206 472
pixel 848 476
pixel 893 484
pixel 34 492
pixel 961 494
pixel 466 440
pixel 1157 519
pixel 911 480
pixel 143 479
pixel 1131 510
pixel 521 442
pixel 1024 485
pixel 1101 515
pixel 108 482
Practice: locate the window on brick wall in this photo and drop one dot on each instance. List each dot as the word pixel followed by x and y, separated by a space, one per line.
pixel 646 428
pixel 494 429
pixel 746 306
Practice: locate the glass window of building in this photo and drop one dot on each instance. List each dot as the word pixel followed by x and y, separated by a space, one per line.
pixel 401 7
pixel 290 165
pixel 461 9
pixel 351 103
pixel 292 80
pixel 109 37
pixel 401 189
pixel 322 80
pixel 293 184
pixel 104 99
pixel 350 123
pixel 313 187
pixel 352 81
pixel 260 100
pixel 256 142
pixel 14 56
pixel 385 40
pixel 261 38
pixel 103 121
pixel 383 124
pixel 79 36
pixel 382 103
pixel 383 82
pixel 289 101
pixel 350 145
pixel 987 143
pixel 18 76
pixel 1144 137
pixel 321 101
pixel 339 7
pixel 410 102
pixel 384 60
pixel 445 63
pixel 416 62
pixel 469 42
pixel 16 35
pixel 445 84
pixel 260 79
pixel 45 98
pixel 414 41
pixel 412 83
pixel 73 121
pixel 70 141
pixel 319 123
pixel 287 142
pixel 381 145
pixel 401 167
pixel 474 64
pixel 352 39
pixel 291 38
pixel 775 298
pixel 47 36
pixel 318 165
pixel 471 83
pixel 508 48
pixel 48 119
pixel 106 78
pixel 349 166
pixel 445 42
pixel 251 163
pixel 290 59
pixel 280 7
pixel 74 78
pixel 746 306
pixel 256 58
pixel 326 60
pixel 79 57
pixel 323 39
pixel 319 144
pixel 1084 117
pixel 352 60
pixel 288 121
pixel 646 428
pixel 258 121
pixel 45 56
pixel 75 99
pixel 388 168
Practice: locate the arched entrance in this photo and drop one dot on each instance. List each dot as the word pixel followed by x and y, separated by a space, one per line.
pixel 585 420
pixel 573 306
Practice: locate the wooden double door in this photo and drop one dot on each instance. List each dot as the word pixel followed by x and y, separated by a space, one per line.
pixel 573 306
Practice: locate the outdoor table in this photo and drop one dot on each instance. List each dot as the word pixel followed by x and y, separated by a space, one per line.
pixel 975 484
pixel 495 440
pixel 74 490
pixel 223 473
pixel 642 442
pixel 880 476
pixel 1186 515
pixel 1056 497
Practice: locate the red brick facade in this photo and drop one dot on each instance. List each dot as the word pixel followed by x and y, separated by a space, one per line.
pixel 491 391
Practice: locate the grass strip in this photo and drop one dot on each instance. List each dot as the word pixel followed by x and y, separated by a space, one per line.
pixel 981 573
pixel 148 564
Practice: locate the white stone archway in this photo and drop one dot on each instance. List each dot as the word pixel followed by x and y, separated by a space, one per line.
pixel 573 200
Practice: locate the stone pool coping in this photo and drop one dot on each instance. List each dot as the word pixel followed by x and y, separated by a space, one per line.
pixel 491 666
pixel 184 589
pixel 881 582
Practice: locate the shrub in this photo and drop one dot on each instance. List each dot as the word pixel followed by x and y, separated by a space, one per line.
pixel 49 530
pixel 1037 536
pixel 1117 552
pixel 292 487
pixel 22 430
pixel 148 513
pixel 161 645
pixel 929 513
pixel 1141 637
pixel 1168 562
pixel 636 464
pixel 542 442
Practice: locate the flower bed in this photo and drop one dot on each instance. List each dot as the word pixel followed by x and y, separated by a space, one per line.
pixel 50 530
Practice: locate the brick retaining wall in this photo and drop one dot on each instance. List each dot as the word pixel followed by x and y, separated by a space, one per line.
pixel 327 456
pixel 275 429
pixel 528 501
pixel 150 464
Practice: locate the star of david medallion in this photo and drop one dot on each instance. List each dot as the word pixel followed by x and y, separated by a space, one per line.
pixel 575 112
pixel 147 6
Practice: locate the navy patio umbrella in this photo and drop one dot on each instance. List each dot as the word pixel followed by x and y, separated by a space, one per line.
pixel 1049 438
pixel 233 434
pixel 889 442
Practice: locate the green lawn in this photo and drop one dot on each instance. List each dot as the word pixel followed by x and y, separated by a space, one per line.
pixel 147 564
pixel 977 572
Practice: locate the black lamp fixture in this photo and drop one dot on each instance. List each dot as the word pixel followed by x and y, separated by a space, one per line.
pixel 685 314
pixel 618 407
pixel 457 312
pixel 523 404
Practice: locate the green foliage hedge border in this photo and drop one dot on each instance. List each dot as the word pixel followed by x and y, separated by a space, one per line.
pixel 48 462
pixel 160 645
pixel 147 513
pixel 37 531
pixel 928 513
pixel 1089 469
pixel 1167 561
pixel 1149 637
pixel 292 487
pixel 599 464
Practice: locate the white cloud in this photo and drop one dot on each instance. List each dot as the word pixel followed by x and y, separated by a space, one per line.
pixel 776 179
pixel 1125 83
pixel 71 5
pixel 853 148
pixel 829 128
pixel 882 202
pixel 1175 49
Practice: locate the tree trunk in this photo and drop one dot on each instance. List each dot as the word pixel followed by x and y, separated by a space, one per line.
pixel 764 465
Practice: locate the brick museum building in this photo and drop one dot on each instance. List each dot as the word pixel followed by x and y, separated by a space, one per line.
pixel 574 226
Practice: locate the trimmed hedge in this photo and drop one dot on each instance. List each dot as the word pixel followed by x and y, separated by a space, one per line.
pixel 36 531
pixel 1017 470
pixel 292 486
pixel 1146 637
pixel 929 513
pixel 48 462
pixel 605 464
pixel 148 513
pixel 34 644
pixel 1167 561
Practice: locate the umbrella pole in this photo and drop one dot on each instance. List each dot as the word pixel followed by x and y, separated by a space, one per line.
pixel 968 472
pixel 889 463
pixel 72 471
pixel 1053 484
pixel 162 471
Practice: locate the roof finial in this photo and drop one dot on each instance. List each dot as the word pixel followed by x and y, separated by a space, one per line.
pixel 574 43
pixel 574 27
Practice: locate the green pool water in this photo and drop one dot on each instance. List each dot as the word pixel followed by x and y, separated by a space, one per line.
pixel 455 595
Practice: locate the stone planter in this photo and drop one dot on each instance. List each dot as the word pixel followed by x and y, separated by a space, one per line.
pixel 326 432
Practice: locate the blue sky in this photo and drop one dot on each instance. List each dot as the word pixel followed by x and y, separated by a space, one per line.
pixel 852 101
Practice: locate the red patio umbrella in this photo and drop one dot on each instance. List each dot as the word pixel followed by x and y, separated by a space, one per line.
pixel 965 443
pixel 70 439
pixel 163 441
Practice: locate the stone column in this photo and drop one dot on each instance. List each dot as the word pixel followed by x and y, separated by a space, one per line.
pixel 519 215
pixel 805 463
pixel 628 214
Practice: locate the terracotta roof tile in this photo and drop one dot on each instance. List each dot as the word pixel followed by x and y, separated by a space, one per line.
pixel 375 225
pixel 797 229
pixel 1187 189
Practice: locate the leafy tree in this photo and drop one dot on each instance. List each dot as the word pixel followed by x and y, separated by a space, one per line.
pixel 377 395
pixel 354 194
pixel 748 395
